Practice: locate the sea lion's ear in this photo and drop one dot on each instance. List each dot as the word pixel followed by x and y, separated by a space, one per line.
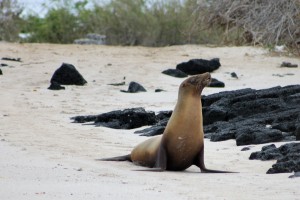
pixel 184 84
pixel 192 81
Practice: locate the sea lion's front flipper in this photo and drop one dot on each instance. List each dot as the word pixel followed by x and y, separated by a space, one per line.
pixel 200 163
pixel 161 160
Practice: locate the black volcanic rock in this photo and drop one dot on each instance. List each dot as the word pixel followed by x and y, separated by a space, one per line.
pixel 298 129
pixel 162 119
pixel 163 115
pixel 152 131
pixel 117 84
pixel 269 152
pixel 159 90
pixel 216 83
pixel 252 116
pixel 129 119
pixel 134 87
pixel 233 115
pixel 257 135
pixel 175 73
pixel 234 75
pixel 67 74
pixel 120 119
pixel 1 72
pixel 288 64
pixel 245 148
pixel 55 86
pixel 287 156
pixel 12 59
pixel 247 115
pixel 199 66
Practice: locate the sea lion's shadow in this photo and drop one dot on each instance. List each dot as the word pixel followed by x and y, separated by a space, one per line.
pixel 143 169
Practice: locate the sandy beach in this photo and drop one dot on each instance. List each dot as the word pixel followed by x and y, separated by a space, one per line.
pixel 46 156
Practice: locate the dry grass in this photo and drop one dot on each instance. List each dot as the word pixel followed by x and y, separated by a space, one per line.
pixel 271 23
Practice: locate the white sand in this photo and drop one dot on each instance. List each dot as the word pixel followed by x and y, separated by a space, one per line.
pixel 45 156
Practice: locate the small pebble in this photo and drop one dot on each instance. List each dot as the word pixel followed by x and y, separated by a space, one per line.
pixel 234 75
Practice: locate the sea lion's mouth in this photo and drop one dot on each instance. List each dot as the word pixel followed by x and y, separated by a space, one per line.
pixel 208 81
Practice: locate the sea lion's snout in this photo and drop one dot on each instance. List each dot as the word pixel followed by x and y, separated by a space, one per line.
pixel 203 79
pixel 197 81
pixel 207 79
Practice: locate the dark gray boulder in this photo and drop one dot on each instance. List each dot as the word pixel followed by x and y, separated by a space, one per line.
pixel 288 64
pixel 252 116
pixel 234 75
pixel 248 116
pixel 162 119
pixel 199 66
pixel 151 131
pixel 216 83
pixel 134 87
pixel 298 129
pixel 120 119
pixel 175 73
pixel 269 152
pixel 55 86
pixel 257 135
pixel 287 156
pixel 67 74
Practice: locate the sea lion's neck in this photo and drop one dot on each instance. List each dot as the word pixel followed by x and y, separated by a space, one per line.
pixel 189 103
pixel 187 113
pixel 188 109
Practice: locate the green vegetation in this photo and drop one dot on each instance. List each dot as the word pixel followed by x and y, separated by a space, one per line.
pixel 124 22
pixel 160 22
pixel 58 26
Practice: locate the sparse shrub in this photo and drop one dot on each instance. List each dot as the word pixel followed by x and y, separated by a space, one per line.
pixel 163 22
pixel 10 20
pixel 139 22
pixel 126 22
pixel 268 23
pixel 60 25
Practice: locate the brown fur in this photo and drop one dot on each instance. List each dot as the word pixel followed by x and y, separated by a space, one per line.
pixel 182 143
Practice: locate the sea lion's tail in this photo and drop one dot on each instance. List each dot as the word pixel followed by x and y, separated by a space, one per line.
pixel 118 158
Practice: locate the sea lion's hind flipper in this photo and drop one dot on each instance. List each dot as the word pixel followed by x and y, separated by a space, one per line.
pixel 199 161
pixel 118 158
pixel 150 170
pixel 215 171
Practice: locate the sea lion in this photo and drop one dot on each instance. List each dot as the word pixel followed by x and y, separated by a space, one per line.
pixel 182 143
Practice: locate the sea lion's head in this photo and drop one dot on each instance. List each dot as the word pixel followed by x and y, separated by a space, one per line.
pixel 196 83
